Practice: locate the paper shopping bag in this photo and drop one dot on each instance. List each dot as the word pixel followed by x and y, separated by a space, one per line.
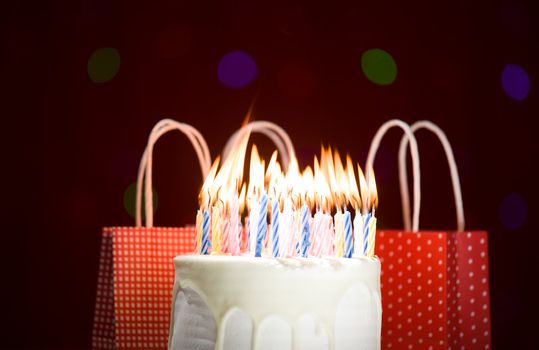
pixel 136 272
pixel 435 285
pixel 435 290
pixel 135 280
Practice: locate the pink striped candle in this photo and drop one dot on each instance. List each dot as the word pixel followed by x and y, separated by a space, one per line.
pixel 234 231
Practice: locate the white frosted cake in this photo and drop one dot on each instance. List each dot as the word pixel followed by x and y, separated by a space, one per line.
pixel 279 264
pixel 243 303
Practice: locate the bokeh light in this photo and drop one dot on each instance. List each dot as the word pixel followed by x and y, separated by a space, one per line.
pixel 130 200
pixel 173 41
pixel 236 69
pixel 513 211
pixel 379 66
pixel 103 64
pixel 515 82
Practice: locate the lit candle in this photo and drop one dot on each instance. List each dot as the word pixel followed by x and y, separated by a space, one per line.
pixel 198 230
pixel 372 236
pixel 216 229
pixel 370 223
pixel 242 228
pixel 305 215
pixel 254 212
pixel 358 233
pixel 234 227
pixel 275 228
pixel 293 248
pixel 328 234
pixel 245 235
pixel 225 236
pixel 205 240
pixel 262 226
pixel 285 228
pixel 225 240
pixel 348 237
pixel 339 234
pixel 317 236
pixel 366 231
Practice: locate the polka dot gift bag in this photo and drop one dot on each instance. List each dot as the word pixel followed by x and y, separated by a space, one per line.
pixel 136 273
pixel 435 284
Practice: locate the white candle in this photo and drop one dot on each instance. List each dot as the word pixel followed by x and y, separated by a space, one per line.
pixel 285 225
pixel 253 225
pixel 359 243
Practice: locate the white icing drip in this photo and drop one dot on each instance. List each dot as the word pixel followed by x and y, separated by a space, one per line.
pixel 308 337
pixel 194 327
pixel 304 294
pixel 274 333
pixel 237 331
pixel 356 322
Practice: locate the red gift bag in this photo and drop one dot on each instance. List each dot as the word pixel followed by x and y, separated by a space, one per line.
pixel 434 290
pixel 435 284
pixel 136 274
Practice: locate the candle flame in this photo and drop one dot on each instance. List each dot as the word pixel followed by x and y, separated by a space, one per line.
pixel 354 197
pixel 256 175
pixel 204 197
pixel 308 181
pixel 373 192
pixel 241 199
pixel 322 190
pixel 329 184
pixel 363 188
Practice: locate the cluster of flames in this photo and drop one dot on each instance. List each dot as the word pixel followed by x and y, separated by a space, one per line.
pixel 330 185
pixel 330 188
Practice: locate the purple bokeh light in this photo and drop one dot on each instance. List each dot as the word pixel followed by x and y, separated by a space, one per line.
pixel 236 69
pixel 515 82
pixel 513 211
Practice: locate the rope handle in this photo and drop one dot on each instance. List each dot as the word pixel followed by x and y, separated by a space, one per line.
pixel 403 177
pixel 145 167
pixel 277 134
pixel 375 144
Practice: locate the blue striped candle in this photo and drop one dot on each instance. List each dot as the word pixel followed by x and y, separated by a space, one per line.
pixel 348 237
pixel 262 226
pixel 366 230
pixel 275 228
pixel 305 215
pixel 205 244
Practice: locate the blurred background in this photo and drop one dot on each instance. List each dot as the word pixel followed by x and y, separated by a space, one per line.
pixel 84 81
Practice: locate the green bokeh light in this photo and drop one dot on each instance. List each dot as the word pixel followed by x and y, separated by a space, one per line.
pixel 379 67
pixel 103 64
pixel 130 200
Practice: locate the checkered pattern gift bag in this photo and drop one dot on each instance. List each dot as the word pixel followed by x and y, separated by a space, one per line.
pixel 435 284
pixel 136 273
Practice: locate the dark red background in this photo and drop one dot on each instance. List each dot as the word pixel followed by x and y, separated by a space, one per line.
pixel 73 146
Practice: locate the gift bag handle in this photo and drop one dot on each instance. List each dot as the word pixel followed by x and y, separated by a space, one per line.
pixel 277 134
pixel 425 124
pixel 375 143
pixel 145 167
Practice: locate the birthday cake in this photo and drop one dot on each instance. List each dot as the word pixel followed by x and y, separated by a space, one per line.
pixel 242 303
pixel 281 278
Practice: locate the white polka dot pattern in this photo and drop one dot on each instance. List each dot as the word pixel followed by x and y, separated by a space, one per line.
pixel 135 280
pixel 435 290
